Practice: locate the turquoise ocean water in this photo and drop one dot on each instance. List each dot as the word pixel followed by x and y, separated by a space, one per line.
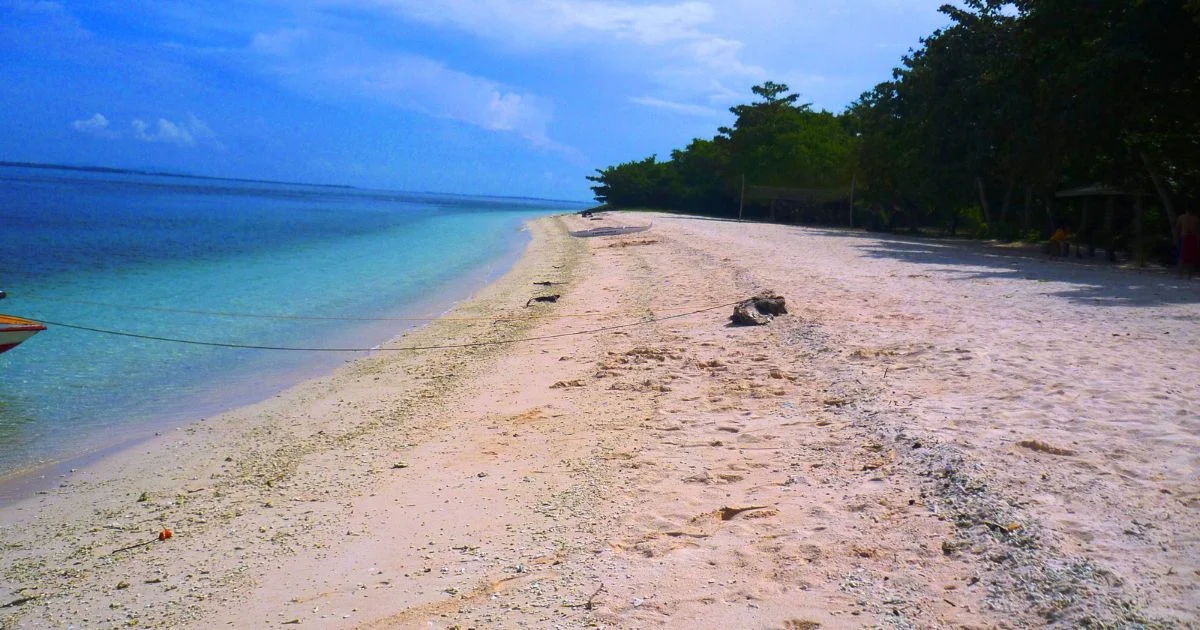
pixel 130 252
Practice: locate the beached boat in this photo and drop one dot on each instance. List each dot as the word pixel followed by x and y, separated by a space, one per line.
pixel 14 330
pixel 611 231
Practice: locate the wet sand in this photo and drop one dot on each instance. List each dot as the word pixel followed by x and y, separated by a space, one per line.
pixel 938 435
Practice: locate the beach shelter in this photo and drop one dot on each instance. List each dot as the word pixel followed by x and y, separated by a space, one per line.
pixel 1110 196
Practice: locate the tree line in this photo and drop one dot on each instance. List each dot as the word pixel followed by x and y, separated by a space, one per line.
pixel 980 129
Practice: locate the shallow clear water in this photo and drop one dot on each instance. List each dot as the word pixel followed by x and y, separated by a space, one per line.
pixel 127 253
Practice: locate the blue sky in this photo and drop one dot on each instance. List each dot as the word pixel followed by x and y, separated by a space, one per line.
pixel 513 97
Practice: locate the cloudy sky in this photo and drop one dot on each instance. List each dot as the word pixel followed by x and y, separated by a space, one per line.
pixel 515 97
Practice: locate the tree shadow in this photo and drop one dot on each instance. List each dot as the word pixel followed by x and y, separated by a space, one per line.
pixel 1093 282
pixel 700 217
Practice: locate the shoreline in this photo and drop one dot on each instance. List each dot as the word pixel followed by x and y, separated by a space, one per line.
pixel 28 480
pixel 931 438
pixel 116 480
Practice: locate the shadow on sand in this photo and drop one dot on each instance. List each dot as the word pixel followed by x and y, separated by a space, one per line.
pixel 1093 282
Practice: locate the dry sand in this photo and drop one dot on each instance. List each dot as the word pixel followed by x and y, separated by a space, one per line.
pixel 938 435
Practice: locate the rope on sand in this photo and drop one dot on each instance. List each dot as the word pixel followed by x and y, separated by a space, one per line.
pixel 475 344
pixel 323 318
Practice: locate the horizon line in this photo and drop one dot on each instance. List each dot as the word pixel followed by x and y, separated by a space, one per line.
pixel 247 180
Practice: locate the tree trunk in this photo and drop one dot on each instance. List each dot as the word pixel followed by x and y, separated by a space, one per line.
pixel 983 201
pixel 1139 244
pixel 1008 193
pixel 1164 195
pixel 1028 209
pixel 910 213
pixel 853 182
pixel 742 199
pixel 1110 236
pixel 1085 230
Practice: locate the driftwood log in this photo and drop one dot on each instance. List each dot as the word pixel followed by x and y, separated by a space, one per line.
pixel 758 310
pixel 543 298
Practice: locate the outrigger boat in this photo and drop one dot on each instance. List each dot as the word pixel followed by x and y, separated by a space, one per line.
pixel 14 330
pixel 611 230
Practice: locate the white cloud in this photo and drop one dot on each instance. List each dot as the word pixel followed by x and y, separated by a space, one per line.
pixel 280 42
pixel 681 108
pixel 167 132
pixel 672 44
pixel 328 64
pixel 97 126
pixel 185 134
pixel 189 133
pixel 676 50
pixel 677 32
pixel 692 57
pixel 721 94
pixel 428 86
pixel 52 15
pixel 548 20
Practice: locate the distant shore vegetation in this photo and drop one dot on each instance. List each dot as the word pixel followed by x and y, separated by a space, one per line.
pixel 1016 119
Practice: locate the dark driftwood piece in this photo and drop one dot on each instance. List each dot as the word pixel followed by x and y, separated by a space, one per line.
pixel 727 513
pixel 543 298
pixel 758 310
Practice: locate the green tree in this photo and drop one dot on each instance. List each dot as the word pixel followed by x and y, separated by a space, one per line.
pixel 645 183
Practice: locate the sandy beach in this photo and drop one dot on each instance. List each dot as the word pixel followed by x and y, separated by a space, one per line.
pixel 938 435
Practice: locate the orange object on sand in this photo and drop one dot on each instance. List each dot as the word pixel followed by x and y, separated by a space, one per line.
pixel 164 534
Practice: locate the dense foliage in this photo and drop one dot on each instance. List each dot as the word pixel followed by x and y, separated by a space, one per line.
pixel 1009 104
pixel 774 141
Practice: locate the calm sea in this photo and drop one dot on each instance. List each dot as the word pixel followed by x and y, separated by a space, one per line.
pixel 131 253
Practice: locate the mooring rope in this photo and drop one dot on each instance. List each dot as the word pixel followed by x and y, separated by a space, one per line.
pixel 234 314
pixel 476 344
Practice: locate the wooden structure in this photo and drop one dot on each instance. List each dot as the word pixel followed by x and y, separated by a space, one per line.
pixel 1087 228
